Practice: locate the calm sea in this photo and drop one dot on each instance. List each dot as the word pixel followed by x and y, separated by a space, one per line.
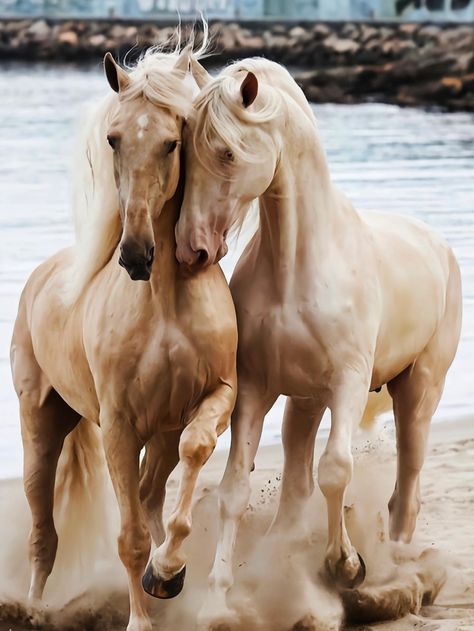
pixel 398 160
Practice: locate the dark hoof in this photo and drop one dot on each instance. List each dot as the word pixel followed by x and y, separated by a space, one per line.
pixel 340 578
pixel 157 587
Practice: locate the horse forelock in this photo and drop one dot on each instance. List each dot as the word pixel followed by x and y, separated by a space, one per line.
pixel 220 116
pixel 220 120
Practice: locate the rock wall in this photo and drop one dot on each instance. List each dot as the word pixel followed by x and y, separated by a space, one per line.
pixel 408 64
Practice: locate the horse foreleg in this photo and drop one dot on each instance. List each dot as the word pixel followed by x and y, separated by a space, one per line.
pixel 164 576
pixel 343 564
pixel 160 459
pixel 234 494
pixel 300 425
pixel 122 450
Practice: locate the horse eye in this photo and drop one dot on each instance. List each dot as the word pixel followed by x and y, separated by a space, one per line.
pixel 172 146
pixel 228 155
pixel 112 141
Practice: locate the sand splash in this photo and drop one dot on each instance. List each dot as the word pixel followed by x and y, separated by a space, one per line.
pixel 279 584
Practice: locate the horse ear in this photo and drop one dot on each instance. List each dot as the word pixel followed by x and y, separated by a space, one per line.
pixel 249 89
pixel 200 74
pixel 116 76
pixel 183 61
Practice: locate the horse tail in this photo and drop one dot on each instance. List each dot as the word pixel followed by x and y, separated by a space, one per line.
pixel 81 514
pixel 377 403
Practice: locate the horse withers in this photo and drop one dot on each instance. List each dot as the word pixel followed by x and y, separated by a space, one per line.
pixel 152 363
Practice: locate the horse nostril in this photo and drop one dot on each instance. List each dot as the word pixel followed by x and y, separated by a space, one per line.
pixel 151 256
pixel 202 257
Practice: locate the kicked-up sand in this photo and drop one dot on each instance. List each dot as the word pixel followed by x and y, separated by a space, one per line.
pixel 278 581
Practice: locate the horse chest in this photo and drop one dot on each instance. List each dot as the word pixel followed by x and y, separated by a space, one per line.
pixel 158 379
pixel 291 347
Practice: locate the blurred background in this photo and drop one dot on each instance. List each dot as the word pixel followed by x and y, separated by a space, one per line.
pixel 300 9
pixel 392 87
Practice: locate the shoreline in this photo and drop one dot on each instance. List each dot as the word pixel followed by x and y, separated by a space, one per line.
pixel 410 64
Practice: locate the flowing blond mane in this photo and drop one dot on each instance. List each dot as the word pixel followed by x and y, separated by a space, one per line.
pixel 219 113
pixel 95 198
pixel 219 116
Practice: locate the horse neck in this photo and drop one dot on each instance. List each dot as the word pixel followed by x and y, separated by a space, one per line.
pixel 164 269
pixel 297 212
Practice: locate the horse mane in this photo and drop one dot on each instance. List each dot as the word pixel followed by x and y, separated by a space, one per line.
pixel 218 112
pixel 95 200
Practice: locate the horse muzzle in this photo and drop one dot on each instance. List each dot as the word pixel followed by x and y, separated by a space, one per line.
pixel 138 266
pixel 201 257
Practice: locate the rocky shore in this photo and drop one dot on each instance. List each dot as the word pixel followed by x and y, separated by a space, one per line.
pixel 407 64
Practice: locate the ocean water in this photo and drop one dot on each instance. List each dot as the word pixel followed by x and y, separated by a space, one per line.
pixel 398 160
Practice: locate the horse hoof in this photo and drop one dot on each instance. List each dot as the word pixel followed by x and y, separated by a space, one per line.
pixel 159 588
pixel 340 576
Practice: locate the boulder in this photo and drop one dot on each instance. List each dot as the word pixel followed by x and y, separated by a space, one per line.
pixel 18 26
pixel 298 33
pixel 225 41
pixel 68 38
pixel 397 47
pixel 451 85
pixel 97 41
pixel 350 30
pixel 341 46
pixel 273 42
pixel 39 30
pixel 321 30
pixel 279 29
pixel 253 44
pixel 366 32
pixel 117 32
pixel 131 33
pixel 408 29
pixel 429 32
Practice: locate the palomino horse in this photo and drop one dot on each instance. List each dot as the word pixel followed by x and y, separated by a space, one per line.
pixel 154 363
pixel 330 304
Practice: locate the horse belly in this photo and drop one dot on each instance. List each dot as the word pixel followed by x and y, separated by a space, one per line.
pixel 413 274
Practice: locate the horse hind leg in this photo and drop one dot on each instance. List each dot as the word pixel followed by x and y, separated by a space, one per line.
pixel 45 422
pixel 416 393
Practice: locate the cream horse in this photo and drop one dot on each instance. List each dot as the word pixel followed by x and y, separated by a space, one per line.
pixel 331 304
pixel 152 363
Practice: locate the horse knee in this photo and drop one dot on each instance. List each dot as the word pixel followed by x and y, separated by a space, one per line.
pixel 197 444
pixel 134 546
pixel 180 525
pixel 335 470
pixel 234 494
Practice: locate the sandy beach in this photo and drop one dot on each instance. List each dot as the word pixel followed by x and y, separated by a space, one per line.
pixel 278 582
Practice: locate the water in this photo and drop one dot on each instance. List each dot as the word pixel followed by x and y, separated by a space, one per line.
pixel 410 161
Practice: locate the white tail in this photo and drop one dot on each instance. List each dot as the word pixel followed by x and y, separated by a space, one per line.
pixel 82 512
pixel 377 404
